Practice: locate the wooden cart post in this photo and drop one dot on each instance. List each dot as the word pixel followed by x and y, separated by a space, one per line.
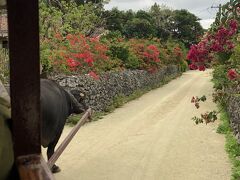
pixel 23 23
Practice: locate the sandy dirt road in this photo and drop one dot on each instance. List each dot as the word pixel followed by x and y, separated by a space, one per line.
pixel 151 138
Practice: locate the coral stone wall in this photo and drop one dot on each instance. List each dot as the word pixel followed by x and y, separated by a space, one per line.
pixel 234 112
pixel 98 94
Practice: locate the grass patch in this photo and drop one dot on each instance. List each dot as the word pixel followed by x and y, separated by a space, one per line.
pixel 119 101
pixel 73 119
pixel 232 147
pixel 224 126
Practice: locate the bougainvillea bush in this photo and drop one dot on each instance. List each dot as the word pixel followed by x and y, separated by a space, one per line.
pixel 220 47
pixel 220 43
pixel 146 54
pixel 78 54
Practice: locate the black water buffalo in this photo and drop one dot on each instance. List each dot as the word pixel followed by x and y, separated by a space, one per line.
pixel 56 105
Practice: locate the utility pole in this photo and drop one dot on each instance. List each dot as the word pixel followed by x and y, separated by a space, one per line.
pixel 216 7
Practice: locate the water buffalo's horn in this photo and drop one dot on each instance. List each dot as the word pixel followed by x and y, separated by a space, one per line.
pixel 77 107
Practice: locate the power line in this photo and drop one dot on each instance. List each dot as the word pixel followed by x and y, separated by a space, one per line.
pixel 214 7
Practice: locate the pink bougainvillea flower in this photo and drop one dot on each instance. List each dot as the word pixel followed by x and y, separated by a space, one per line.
pixel 93 75
pixel 216 47
pixel 193 67
pixel 233 24
pixel 201 68
pixel 193 99
pixel 232 74
pixel 230 45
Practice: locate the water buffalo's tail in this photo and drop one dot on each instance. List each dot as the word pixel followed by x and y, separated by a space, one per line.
pixel 76 106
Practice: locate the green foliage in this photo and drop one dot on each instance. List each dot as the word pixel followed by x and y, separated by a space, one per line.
pixel 50 20
pixel 119 51
pixel 79 2
pixel 46 52
pixel 73 119
pixel 70 18
pixel 115 19
pixel 223 57
pixel 233 149
pixel 183 66
pixel 227 11
pixel 220 79
pixel 112 35
pixel 118 101
pixel 79 19
pixel 208 117
pixel 235 57
pixel 163 20
pixel 224 126
pixel 137 27
pixel 186 27
pixel 59 20
pixel 232 146
pixel 132 62
pixel 159 21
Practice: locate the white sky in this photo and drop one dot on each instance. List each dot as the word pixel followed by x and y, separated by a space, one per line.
pixel 201 8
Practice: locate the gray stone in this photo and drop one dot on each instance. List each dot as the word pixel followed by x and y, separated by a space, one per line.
pixel 98 94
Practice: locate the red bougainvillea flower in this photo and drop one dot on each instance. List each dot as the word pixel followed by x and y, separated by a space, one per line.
pixel 152 53
pixel 72 64
pixel 69 36
pixel 80 55
pixel 201 68
pixel 178 51
pixel 153 48
pixel 232 74
pixel 58 36
pixel 93 75
pixel 89 61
